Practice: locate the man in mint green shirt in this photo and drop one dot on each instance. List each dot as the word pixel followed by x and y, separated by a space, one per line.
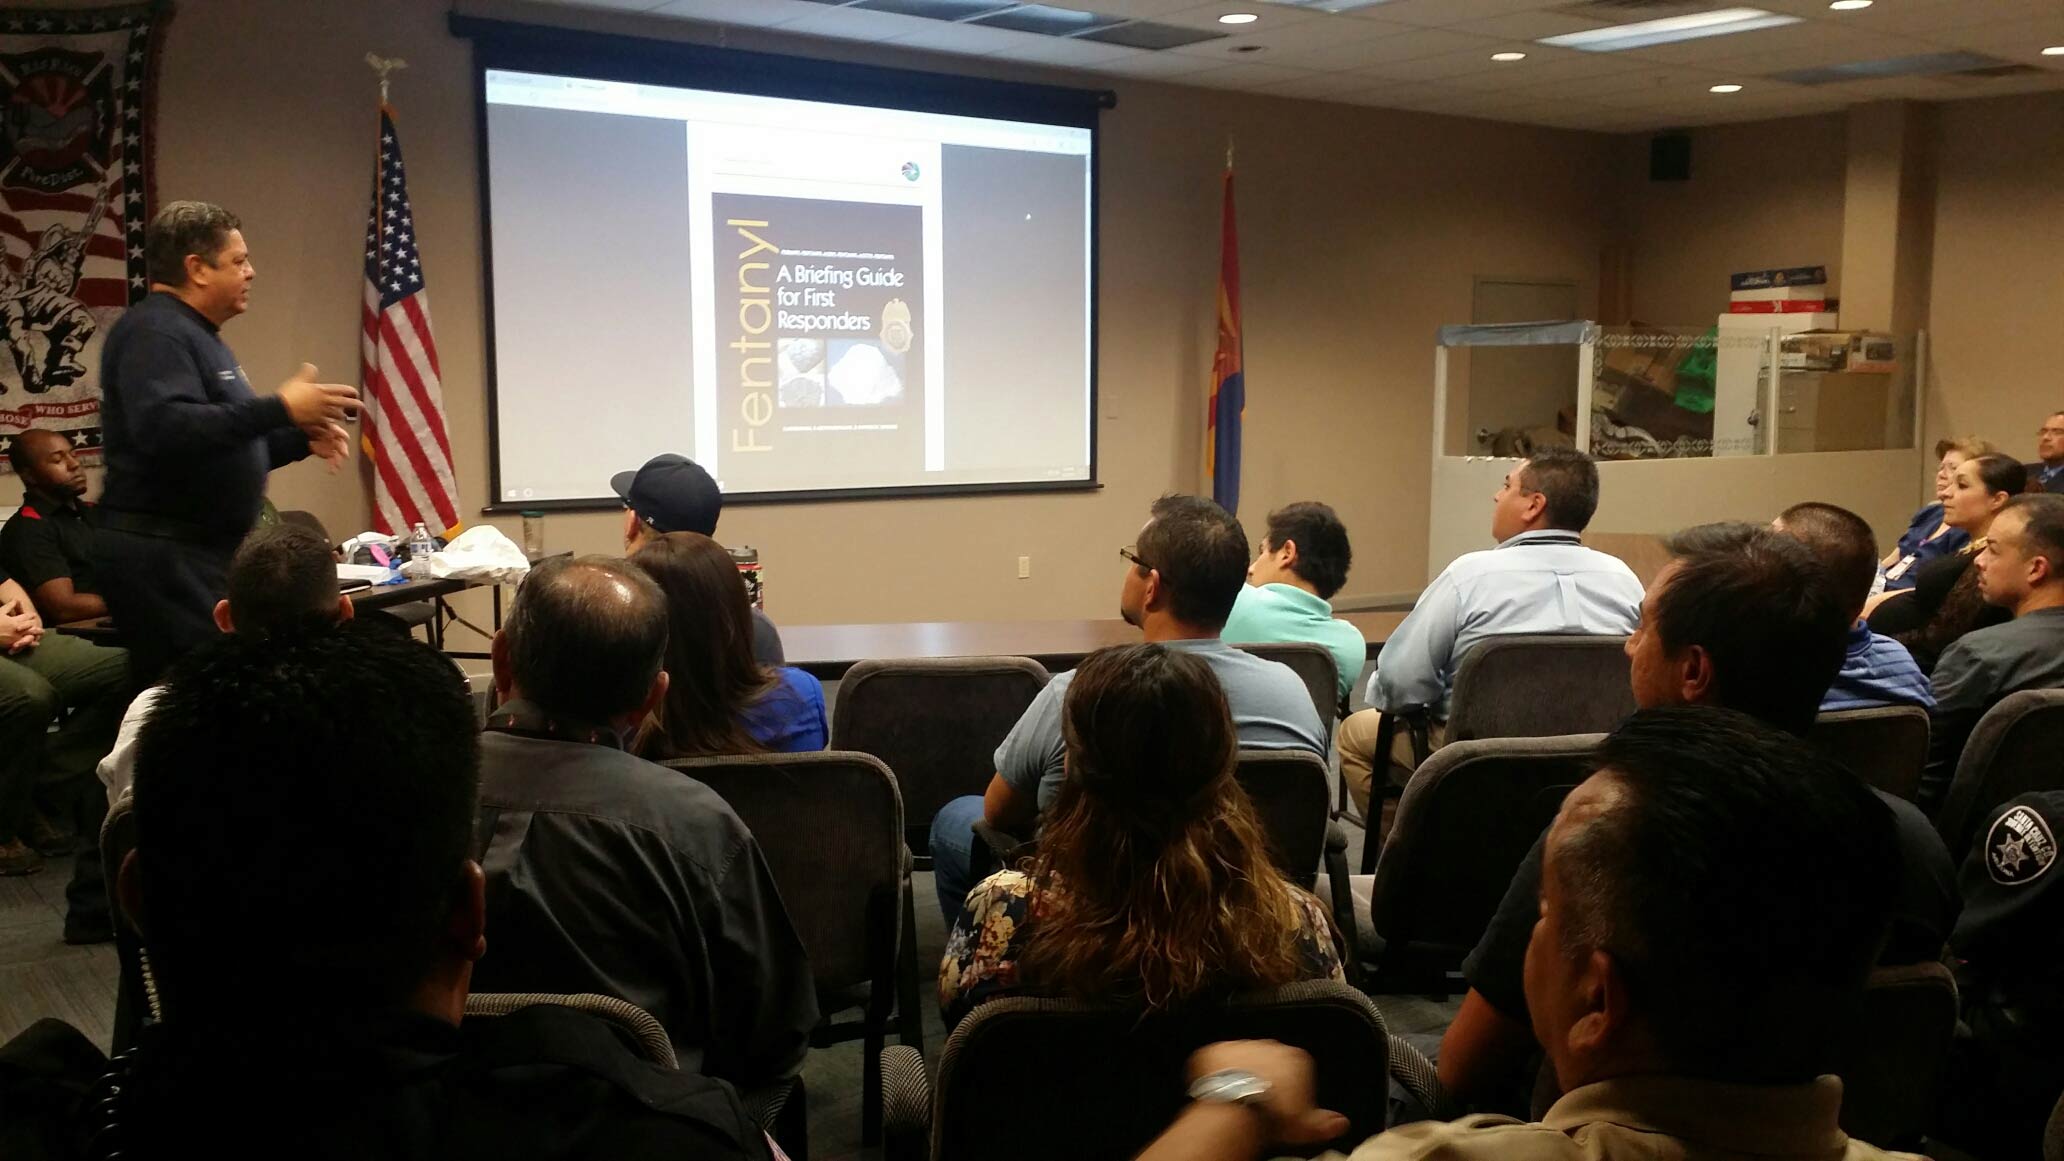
pixel 1302 563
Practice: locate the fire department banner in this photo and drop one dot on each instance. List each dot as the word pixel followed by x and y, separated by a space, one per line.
pixel 76 96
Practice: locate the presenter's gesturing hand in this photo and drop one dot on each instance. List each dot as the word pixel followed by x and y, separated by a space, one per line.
pixel 331 444
pixel 313 406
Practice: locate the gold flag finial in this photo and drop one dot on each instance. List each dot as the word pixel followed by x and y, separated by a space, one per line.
pixel 385 65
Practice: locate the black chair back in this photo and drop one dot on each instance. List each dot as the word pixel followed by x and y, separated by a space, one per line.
pixel 135 992
pixel 1289 792
pixel 2018 746
pixel 1540 686
pixel 1314 665
pixel 936 722
pixel 1466 821
pixel 828 824
pixel 1893 1063
pixel 1887 746
pixel 1119 1075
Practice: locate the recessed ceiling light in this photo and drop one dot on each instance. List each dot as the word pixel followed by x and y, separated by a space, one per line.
pixel 1238 18
pixel 1725 89
pixel 1508 56
pixel 2054 50
pixel 1671 29
pixel 1849 5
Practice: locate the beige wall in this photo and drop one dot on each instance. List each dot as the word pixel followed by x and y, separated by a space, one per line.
pixel 1998 282
pixel 1361 230
pixel 1761 194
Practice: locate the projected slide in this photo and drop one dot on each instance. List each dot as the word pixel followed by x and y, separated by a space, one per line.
pixel 805 297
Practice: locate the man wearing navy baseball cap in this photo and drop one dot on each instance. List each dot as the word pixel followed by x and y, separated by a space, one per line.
pixel 673 493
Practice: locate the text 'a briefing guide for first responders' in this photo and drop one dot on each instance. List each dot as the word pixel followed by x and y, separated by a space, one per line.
pixel 819 330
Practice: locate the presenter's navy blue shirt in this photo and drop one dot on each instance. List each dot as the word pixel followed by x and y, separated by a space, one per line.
pixel 184 436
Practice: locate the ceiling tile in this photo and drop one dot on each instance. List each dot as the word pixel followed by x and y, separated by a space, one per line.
pixel 1054 50
pixel 2019 39
pixel 1831 48
pixel 1159 65
pixel 1194 14
pixel 763 13
pixel 1444 13
pixel 965 39
pixel 1134 9
pixel 1316 86
pixel 854 24
pixel 1538 73
pixel 1255 76
pixel 1926 17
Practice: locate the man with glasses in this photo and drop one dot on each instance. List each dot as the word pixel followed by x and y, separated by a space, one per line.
pixel 1540 579
pixel 2046 474
pixel 1181 580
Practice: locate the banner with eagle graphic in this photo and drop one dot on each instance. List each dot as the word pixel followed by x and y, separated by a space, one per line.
pixel 76 95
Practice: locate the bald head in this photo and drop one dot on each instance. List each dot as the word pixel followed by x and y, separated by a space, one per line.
pixel 44 459
pixel 585 638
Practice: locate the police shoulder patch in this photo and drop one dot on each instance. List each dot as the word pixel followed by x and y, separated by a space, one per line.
pixel 2020 847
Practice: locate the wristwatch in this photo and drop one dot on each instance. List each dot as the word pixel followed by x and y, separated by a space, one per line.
pixel 1231 1086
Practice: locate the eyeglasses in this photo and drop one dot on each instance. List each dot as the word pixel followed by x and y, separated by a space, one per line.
pixel 1132 554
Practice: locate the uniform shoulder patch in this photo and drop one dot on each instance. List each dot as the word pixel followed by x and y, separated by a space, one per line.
pixel 2020 847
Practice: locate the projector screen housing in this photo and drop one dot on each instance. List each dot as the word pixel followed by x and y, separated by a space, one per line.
pixel 888 291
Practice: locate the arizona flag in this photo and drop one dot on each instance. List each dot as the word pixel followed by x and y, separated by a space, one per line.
pixel 1228 383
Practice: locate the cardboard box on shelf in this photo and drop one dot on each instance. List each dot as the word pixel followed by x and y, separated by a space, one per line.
pixel 1814 351
pixel 1872 351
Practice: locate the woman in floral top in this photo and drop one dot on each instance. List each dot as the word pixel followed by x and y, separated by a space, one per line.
pixel 1153 883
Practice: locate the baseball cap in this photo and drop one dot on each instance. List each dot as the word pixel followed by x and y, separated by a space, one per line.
pixel 671 494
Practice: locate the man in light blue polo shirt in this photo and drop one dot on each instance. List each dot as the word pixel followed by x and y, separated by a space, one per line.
pixel 1181 579
pixel 1540 579
pixel 1302 563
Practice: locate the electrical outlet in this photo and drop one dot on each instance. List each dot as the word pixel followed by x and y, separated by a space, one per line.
pixel 1024 568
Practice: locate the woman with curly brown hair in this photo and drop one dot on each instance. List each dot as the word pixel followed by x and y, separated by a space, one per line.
pixel 1153 883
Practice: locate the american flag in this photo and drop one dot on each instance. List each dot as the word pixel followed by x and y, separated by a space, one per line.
pixel 405 438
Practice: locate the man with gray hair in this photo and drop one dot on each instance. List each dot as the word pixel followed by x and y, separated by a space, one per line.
pixel 607 873
pixel 187 443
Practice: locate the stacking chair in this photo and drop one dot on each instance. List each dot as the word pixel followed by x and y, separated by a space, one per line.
pixel 831 827
pixel 1887 746
pixel 1288 790
pixel 640 1028
pixel 936 722
pixel 1517 686
pixel 2053 1134
pixel 1313 664
pixel 136 992
pixel 2018 746
pixel 1466 821
pixel 1894 1062
pixel 1117 1073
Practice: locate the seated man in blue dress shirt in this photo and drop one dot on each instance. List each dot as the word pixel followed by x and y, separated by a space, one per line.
pixel 1303 561
pixel 1876 671
pixel 2046 474
pixel 1181 579
pixel 1540 579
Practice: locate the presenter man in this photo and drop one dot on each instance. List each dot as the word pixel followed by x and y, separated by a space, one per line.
pixel 188 444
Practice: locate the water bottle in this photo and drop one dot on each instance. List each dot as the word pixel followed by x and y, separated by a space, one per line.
pixel 747 558
pixel 421 544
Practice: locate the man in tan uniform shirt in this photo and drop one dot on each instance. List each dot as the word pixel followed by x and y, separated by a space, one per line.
pixel 1711 902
